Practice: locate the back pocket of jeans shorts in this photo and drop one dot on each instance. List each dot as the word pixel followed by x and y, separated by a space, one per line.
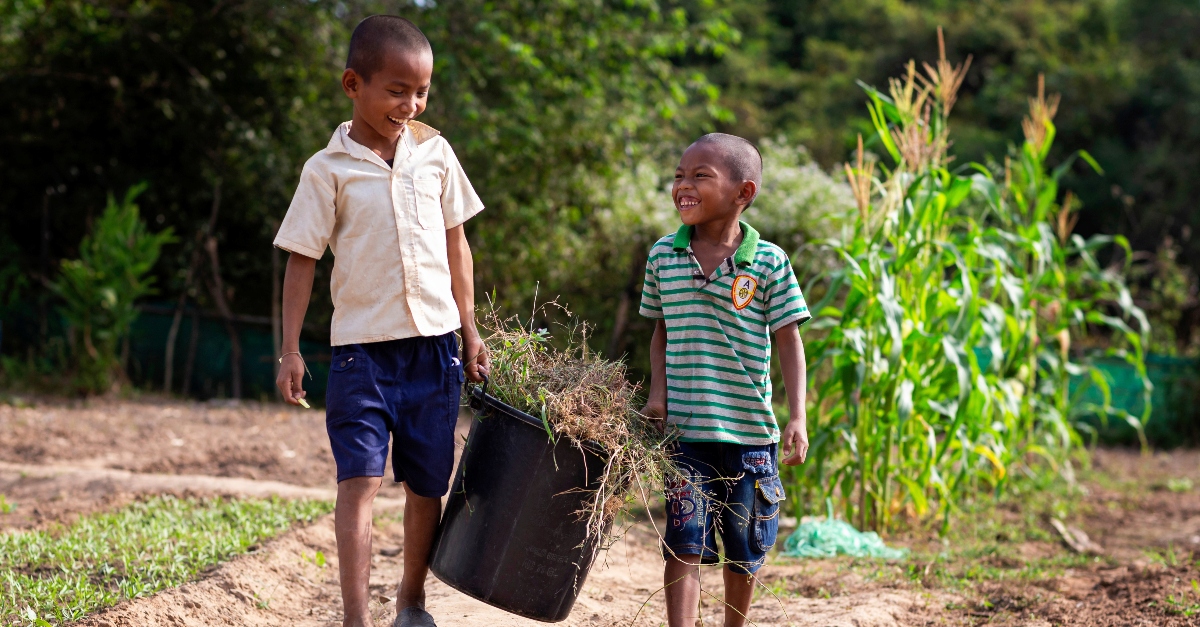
pixel 345 392
pixel 768 495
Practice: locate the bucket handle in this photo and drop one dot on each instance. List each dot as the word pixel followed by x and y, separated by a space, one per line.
pixel 486 382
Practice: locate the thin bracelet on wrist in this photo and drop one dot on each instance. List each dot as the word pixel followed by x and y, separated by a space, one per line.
pixel 297 353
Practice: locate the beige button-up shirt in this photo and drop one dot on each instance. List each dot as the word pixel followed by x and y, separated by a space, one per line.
pixel 387 229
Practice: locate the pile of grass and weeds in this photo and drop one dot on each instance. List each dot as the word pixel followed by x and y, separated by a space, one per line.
pixel 582 397
pixel 58 575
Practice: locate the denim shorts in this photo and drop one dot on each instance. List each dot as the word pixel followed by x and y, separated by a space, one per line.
pixel 407 389
pixel 727 489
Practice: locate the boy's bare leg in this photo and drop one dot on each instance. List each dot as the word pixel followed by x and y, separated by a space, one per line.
pixel 682 580
pixel 421 515
pixel 739 590
pixel 352 525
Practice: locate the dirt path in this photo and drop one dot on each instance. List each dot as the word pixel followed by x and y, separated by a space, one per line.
pixel 60 459
pixel 282 585
pixel 102 483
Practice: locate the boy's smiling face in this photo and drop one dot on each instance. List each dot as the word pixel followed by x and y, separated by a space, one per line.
pixel 704 191
pixel 396 93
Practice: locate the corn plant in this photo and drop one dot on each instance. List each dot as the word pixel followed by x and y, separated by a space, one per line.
pixel 946 356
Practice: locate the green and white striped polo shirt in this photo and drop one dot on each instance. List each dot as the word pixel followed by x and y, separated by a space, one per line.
pixel 718 334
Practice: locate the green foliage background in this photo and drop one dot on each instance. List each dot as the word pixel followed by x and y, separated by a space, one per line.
pixel 568 116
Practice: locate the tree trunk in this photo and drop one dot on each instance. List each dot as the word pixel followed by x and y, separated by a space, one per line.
pixel 43 301
pixel 190 361
pixel 616 342
pixel 123 363
pixel 169 353
pixel 193 264
pixel 217 287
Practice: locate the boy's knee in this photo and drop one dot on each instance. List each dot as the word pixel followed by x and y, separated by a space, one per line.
pixel 412 499
pixel 359 488
pixel 690 560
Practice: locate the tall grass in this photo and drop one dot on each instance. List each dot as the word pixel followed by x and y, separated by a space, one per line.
pixel 952 325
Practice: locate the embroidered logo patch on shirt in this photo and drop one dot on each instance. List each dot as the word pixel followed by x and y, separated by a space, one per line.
pixel 743 291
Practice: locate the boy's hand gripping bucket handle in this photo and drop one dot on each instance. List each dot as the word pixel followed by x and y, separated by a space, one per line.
pixel 486 381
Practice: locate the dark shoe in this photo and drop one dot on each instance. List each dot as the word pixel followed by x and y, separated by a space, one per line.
pixel 413 617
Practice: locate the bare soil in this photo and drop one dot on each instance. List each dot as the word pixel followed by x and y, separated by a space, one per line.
pixel 60 459
pixel 1151 541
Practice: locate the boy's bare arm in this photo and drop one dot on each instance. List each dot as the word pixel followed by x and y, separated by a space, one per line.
pixel 795 382
pixel 297 290
pixel 462 284
pixel 656 400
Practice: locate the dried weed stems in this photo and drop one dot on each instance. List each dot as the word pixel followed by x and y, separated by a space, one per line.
pixel 579 396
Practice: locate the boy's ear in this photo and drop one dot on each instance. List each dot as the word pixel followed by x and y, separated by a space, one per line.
pixel 351 83
pixel 747 193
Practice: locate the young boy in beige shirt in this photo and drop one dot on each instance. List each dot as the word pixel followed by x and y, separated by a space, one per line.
pixel 389 198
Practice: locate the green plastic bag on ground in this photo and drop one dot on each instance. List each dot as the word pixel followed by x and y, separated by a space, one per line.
pixel 830 538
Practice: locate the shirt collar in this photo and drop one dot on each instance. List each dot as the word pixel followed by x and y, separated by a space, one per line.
pixel 414 135
pixel 744 255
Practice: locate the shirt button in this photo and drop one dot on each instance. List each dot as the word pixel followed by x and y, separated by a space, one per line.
pixel 343 364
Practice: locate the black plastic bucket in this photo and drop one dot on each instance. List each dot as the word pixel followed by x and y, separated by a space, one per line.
pixel 511 535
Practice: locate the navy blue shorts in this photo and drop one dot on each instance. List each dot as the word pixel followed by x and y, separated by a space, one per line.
pixel 728 489
pixel 407 389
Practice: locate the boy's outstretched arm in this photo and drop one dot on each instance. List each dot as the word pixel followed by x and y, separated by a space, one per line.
pixel 795 382
pixel 656 400
pixel 297 290
pixel 462 284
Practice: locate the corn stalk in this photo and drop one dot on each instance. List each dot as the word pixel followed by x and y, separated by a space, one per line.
pixel 946 360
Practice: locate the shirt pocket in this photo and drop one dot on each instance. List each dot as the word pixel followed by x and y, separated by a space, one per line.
pixel 429 203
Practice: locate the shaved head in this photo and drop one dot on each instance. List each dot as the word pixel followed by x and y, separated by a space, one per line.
pixel 742 159
pixel 378 35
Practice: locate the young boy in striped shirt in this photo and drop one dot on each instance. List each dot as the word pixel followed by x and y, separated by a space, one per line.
pixel 718 292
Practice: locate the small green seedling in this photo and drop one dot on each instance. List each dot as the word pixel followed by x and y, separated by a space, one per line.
pixel 1180 485
pixel 32 617
pixel 5 506
pixel 1182 606
pixel 317 559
